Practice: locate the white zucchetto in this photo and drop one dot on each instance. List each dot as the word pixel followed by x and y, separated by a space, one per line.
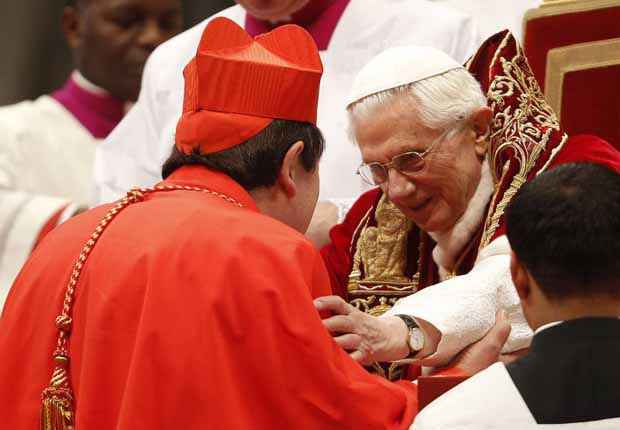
pixel 399 66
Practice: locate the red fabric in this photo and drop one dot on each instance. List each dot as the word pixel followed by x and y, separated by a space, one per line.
pixel 581 149
pixel 587 104
pixel 431 387
pixel 236 85
pixel 545 33
pixel 190 313
pixel 588 149
pixel 51 223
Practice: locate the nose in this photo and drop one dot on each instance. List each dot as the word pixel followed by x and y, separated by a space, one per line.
pixel 152 35
pixel 399 186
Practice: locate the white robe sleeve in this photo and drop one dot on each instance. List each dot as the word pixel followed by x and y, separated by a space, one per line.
pixel 22 214
pixel 22 217
pixel 467 41
pixel 133 154
pixel 463 308
pixel 128 157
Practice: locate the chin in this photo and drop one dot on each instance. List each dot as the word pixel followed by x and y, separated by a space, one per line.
pixel 437 224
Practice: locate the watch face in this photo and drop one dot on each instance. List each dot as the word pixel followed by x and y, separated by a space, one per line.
pixel 416 339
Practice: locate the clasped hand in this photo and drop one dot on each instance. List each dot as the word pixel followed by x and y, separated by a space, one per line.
pixel 370 339
pixel 366 338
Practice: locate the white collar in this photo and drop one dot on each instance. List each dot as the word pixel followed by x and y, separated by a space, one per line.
pixel 546 326
pixel 549 325
pixel 87 85
pixel 450 243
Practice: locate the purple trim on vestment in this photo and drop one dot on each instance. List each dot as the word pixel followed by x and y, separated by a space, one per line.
pixel 98 113
pixel 319 17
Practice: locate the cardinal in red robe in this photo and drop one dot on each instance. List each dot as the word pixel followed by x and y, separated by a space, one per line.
pixel 189 304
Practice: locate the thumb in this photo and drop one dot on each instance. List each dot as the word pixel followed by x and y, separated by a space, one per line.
pixel 486 351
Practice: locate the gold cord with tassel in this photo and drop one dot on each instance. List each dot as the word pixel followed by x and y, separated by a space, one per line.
pixel 57 408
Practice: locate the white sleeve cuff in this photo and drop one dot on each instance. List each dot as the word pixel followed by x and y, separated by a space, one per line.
pixel 463 308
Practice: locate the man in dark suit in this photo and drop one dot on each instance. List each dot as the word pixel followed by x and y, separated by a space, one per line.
pixel 564 229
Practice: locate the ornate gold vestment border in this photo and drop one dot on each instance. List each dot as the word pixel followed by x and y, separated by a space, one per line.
pixel 523 128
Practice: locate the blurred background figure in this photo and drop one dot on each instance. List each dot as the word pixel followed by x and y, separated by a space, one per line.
pixel 47 146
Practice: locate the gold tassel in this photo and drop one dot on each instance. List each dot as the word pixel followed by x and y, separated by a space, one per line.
pixel 57 399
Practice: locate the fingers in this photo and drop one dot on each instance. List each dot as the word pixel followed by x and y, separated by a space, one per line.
pixel 334 304
pixel 358 356
pixel 362 356
pixel 486 351
pixel 498 335
pixel 339 324
pixel 512 356
pixel 349 342
pixel 490 346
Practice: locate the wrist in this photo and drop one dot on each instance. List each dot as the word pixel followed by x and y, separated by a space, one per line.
pixel 397 334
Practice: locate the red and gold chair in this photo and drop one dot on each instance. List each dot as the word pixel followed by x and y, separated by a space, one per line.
pixel 573 47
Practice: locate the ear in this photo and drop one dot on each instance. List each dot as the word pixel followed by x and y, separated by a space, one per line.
pixel 288 172
pixel 520 277
pixel 481 119
pixel 71 26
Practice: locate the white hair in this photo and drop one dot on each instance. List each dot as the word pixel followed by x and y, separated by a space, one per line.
pixel 439 102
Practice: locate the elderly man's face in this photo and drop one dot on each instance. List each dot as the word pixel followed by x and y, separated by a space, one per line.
pixel 272 10
pixel 436 196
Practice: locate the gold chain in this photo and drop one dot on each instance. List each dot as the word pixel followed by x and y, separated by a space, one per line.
pixel 57 412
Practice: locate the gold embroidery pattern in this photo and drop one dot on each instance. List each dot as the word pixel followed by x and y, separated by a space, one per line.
pixel 382 253
pixel 521 128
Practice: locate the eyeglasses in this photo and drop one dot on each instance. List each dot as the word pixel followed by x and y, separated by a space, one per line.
pixel 407 163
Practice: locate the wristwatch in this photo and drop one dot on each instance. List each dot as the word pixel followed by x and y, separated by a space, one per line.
pixel 416 335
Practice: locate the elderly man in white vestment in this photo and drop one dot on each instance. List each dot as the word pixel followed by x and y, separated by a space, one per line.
pixel 423 259
pixel 564 228
pixel 47 146
pixel 348 33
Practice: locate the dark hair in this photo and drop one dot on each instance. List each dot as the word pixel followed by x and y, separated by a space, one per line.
pixel 564 226
pixel 257 161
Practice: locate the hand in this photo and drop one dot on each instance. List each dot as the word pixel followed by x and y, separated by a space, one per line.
pixel 366 338
pixel 480 355
pixel 509 357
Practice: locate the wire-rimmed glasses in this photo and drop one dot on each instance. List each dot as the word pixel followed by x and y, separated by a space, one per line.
pixel 407 163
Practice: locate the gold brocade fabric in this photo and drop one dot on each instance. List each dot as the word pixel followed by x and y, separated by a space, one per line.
pixel 379 277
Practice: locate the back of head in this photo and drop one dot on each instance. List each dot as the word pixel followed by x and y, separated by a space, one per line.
pixel 256 162
pixel 564 226
pixel 247 102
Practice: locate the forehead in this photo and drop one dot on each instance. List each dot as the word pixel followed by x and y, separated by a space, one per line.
pixel 390 129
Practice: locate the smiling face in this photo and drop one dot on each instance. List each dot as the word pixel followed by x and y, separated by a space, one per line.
pixel 272 10
pixel 435 197
pixel 111 39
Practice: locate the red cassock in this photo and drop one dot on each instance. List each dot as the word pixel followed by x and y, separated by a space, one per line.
pixel 191 312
